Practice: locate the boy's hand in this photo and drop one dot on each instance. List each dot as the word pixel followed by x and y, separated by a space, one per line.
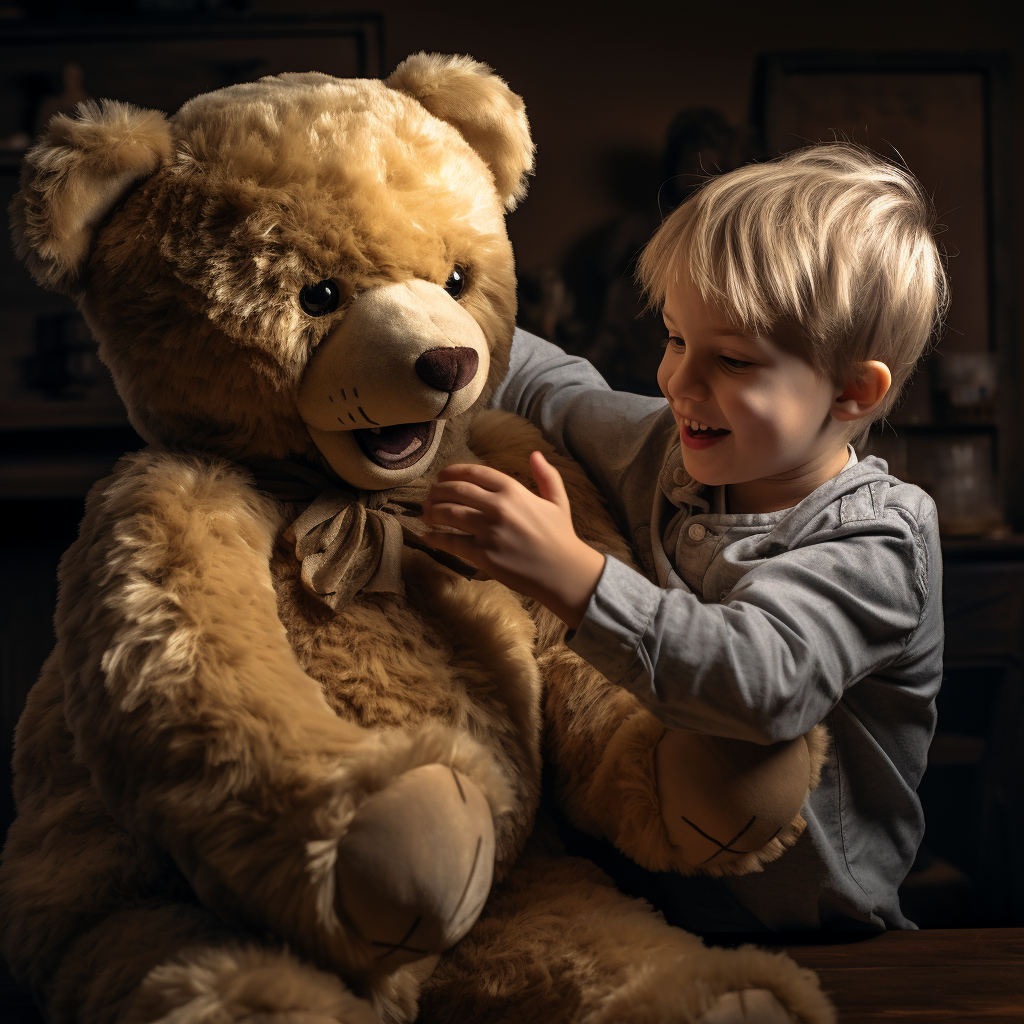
pixel 522 540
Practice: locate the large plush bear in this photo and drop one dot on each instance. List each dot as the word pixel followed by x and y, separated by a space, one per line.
pixel 283 757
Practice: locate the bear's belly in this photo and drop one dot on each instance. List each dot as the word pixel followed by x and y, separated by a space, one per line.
pixel 450 651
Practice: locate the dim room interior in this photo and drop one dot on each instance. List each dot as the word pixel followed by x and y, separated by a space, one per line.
pixel 631 107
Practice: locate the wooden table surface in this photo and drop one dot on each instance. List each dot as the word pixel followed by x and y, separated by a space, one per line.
pixel 973 975
pixel 968 975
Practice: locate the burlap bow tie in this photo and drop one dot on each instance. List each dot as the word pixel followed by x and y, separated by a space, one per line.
pixel 349 540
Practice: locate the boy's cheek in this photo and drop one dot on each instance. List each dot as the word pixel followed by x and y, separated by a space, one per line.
pixel 665 372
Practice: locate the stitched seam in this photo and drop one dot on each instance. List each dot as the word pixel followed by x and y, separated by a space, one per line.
pixel 921 573
pixel 860 519
pixel 844 519
pixel 636 655
pixel 714 558
pixel 839 785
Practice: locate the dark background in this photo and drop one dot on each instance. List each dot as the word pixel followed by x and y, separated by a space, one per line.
pixel 603 86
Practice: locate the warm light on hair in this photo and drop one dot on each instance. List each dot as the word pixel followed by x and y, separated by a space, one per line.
pixel 829 250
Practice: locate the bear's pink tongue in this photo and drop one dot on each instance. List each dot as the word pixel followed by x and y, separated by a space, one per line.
pixel 396 446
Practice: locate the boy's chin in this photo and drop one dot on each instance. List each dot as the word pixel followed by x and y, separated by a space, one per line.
pixel 700 471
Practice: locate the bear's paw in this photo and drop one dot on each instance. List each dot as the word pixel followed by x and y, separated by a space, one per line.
pixel 415 866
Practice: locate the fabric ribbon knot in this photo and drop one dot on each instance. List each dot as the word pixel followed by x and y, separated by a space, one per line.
pixel 349 540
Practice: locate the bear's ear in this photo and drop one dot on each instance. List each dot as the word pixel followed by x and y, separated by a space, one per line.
pixel 486 112
pixel 76 173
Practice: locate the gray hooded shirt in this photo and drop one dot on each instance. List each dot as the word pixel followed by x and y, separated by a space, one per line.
pixel 759 627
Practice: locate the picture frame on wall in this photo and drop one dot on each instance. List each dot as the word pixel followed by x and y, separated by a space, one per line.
pixel 946 116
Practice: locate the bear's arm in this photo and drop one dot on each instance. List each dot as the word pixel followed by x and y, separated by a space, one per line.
pixel 601 744
pixel 587 720
pixel 187 705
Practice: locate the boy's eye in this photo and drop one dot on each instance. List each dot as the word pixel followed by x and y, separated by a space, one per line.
pixel 674 342
pixel 735 364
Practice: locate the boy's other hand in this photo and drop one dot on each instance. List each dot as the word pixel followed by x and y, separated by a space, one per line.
pixel 521 539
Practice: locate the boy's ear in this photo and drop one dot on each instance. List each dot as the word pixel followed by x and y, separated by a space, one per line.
pixel 863 393
pixel 77 172
pixel 484 110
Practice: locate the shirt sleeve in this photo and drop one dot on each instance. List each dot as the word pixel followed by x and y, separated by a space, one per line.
pixel 539 371
pixel 574 408
pixel 775 657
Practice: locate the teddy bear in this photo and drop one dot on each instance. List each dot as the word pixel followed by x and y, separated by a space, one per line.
pixel 285 763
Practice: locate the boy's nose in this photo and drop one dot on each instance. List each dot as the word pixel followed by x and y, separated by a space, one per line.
pixel 687 382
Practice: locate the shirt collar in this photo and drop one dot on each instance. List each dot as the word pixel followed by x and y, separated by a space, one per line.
pixel 683 491
pixel 677 485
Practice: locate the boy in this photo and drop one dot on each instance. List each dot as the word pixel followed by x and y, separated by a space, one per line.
pixel 795 584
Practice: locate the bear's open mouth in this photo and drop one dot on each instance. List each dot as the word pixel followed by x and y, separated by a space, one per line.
pixel 398 446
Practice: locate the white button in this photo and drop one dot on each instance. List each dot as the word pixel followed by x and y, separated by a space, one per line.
pixel 696 532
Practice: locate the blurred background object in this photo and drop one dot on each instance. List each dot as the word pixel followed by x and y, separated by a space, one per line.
pixel 594 305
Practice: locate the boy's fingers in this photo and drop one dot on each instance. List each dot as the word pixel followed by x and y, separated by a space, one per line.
pixel 483 476
pixel 459 492
pixel 456 515
pixel 549 481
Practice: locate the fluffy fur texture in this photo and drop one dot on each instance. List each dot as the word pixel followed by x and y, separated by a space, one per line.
pixel 206 729
pixel 488 115
pixel 74 177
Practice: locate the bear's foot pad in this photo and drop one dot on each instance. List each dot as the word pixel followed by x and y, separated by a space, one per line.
pixel 747 1006
pixel 415 867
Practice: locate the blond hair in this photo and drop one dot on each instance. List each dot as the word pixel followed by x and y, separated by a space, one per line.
pixel 829 249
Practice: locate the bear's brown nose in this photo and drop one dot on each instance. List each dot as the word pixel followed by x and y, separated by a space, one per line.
pixel 447 369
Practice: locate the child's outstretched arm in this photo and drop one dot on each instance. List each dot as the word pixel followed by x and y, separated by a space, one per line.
pixel 569 402
pixel 519 538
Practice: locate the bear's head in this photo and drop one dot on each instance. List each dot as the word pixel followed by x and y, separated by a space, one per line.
pixel 301 267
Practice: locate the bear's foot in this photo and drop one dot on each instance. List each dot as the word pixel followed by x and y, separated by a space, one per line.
pixel 558 944
pixel 415 866
pixel 748 795
pixel 236 984
pixel 747 1006
pixel 743 812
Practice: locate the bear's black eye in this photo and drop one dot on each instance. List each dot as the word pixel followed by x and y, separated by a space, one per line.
pixel 456 281
pixel 320 298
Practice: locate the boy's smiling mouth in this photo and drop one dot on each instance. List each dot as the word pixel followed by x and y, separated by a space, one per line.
pixel 699 435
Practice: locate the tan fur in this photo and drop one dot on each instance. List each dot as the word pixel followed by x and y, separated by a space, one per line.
pixel 206 729
pixel 204 982
pixel 555 966
pixel 489 116
pixel 74 176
